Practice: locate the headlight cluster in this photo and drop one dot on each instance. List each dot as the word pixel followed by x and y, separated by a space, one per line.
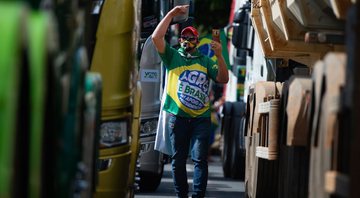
pixel 114 133
pixel 148 126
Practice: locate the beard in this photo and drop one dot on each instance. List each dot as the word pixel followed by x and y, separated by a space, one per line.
pixel 187 46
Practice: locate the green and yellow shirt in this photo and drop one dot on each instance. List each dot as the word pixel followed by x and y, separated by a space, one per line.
pixel 188 81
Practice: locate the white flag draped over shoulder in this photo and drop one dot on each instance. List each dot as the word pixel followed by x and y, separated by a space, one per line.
pixel 162 140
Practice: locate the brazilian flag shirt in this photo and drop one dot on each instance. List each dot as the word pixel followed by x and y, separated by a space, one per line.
pixel 188 81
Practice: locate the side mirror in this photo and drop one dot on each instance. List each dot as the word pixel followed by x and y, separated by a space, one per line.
pixel 241 28
pixel 150 78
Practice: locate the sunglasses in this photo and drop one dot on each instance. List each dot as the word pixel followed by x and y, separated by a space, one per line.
pixel 189 38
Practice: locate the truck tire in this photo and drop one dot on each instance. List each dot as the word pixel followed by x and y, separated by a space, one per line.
pixel 149 182
pixel 227 136
pixel 238 154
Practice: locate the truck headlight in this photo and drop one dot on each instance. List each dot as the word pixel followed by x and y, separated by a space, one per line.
pixel 148 127
pixel 114 133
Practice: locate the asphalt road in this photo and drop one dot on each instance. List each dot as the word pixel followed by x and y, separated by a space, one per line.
pixel 218 186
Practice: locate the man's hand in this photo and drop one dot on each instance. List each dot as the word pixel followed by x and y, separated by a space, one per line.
pixel 216 46
pixel 223 76
pixel 160 31
pixel 179 10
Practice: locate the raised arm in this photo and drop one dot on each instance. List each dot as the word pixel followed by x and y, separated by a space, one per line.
pixel 160 31
pixel 223 74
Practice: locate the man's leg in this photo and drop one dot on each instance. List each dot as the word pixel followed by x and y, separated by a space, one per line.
pixel 180 142
pixel 199 153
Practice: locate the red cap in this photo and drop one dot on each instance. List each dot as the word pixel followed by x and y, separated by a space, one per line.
pixel 190 29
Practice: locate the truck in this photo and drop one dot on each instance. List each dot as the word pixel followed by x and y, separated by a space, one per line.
pixel 71 99
pixel 300 128
pixel 151 161
pixel 49 101
pixel 113 41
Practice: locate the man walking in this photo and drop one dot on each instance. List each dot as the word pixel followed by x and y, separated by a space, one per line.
pixel 187 101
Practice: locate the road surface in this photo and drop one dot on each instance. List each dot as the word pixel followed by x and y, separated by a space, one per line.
pixel 218 186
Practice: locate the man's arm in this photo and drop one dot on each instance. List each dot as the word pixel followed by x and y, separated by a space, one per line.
pixel 160 31
pixel 223 74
